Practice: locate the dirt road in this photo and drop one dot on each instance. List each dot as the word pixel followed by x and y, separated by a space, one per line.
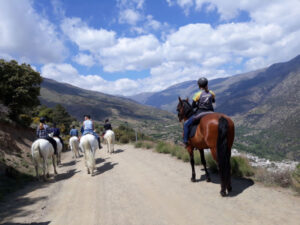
pixel 135 186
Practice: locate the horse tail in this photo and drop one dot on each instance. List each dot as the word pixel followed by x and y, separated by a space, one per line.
pixel 223 153
pixel 90 162
pixel 36 151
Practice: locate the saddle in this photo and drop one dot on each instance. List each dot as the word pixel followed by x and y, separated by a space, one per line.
pixel 196 122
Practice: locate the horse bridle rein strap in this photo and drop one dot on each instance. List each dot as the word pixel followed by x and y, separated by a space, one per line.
pixel 187 111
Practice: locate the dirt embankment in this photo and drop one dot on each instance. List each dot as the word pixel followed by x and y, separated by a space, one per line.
pixel 15 156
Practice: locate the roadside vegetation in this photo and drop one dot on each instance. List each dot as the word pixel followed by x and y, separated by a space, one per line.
pixel 240 166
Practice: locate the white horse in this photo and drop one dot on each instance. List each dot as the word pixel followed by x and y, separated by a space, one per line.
pixel 74 146
pixel 42 149
pixel 89 145
pixel 59 149
pixel 109 137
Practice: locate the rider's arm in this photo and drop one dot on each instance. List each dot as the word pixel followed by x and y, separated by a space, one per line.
pixel 213 96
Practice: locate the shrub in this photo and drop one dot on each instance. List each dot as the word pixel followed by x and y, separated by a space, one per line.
pixel 149 145
pixel 138 144
pixel 241 167
pixel 211 163
pixel 124 140
pixel 25 120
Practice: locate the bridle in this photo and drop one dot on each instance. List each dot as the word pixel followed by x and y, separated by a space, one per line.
pixel 187 110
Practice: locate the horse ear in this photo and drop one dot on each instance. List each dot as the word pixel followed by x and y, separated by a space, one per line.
pixel 179 99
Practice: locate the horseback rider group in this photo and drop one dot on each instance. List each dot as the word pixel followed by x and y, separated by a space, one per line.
pixel 202 102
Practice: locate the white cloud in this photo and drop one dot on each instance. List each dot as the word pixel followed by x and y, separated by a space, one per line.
pixel 68 74
pixel 85 37
pixel 131 54
pixel 26 35
pixel 84 59
pixel 129 16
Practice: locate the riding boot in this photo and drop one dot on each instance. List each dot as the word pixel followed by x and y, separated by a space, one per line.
pixel 99 143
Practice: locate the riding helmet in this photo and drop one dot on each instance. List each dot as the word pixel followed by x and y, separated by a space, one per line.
pixel 42 119
pixel 202 82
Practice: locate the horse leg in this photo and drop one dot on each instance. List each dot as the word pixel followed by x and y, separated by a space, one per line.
pixel 53 162
pixel 191 152
pixel 45 169
pixel 36 170
pixel 203 161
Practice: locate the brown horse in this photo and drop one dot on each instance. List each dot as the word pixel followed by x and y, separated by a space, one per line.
pixel 216 132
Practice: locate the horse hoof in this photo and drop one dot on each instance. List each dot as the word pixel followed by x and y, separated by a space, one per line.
pixel 208 179
pixel 229 189
pixel 223 193
pixel 193 179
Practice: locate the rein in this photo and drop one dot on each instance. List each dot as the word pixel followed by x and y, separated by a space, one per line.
pixel 187 111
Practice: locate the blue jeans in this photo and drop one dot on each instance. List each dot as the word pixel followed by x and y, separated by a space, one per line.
pixel 90 132
pixel 186 129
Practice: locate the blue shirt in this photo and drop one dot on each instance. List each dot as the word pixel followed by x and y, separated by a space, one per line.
pixel 88 125
pixel 55 131
pixel 43 133
pixel 74 132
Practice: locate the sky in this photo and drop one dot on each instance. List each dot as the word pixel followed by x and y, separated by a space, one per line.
pixel 126 47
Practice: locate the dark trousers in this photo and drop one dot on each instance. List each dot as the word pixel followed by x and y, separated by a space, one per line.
pixel 53 142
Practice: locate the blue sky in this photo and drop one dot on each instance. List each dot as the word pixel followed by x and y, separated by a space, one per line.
pixel 132 46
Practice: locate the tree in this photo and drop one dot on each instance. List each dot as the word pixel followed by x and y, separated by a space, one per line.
pixel 19 88
pixel 62 118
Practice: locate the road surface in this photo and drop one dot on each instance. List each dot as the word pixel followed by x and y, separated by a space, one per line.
pixel 135 186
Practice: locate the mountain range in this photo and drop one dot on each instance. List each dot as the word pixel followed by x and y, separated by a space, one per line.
pixel 265 105
pixel 78 102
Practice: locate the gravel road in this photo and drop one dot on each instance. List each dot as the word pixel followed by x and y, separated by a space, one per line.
pixel 136 187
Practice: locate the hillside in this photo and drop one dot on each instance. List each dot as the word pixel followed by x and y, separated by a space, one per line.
pixel 78 102
pixel 265 105
pixel 15 157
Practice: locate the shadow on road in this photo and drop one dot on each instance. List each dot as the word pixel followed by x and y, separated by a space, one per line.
pixel 38 223
pixel 105 167
pixel 118 151
pixel 13 204
pixel 238 184
pixel 71 163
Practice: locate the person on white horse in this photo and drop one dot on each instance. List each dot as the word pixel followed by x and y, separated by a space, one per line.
pixel 109 136
pixel 56 133
pixel 89 143
pixel 43 132
pixel 88 128
pixel 74 142
pixel 43 148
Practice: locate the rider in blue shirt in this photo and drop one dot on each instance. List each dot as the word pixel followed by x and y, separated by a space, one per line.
pixel 73 132
pixel 88 128
pixel 56 133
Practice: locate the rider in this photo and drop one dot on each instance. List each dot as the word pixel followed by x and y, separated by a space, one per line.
pixel 202 102
pixel 107 126
pixel 73 132
pixel 88 128
pixel 56 133
pixel 43 132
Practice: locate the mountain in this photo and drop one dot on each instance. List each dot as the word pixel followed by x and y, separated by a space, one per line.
pixel 265 105
pixel 78 102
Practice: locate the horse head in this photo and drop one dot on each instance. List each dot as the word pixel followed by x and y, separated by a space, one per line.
pixel 184 109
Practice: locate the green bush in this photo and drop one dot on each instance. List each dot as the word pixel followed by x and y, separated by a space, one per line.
pixel 124 140
pixel 25 120
pixel 211 163
pixel 138 144
pixel 240 167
